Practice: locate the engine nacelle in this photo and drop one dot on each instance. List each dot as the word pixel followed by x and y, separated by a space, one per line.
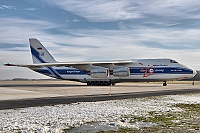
pixel 99 73
pixel 121 72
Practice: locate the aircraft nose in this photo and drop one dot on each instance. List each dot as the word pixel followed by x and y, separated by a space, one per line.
pixel 194 72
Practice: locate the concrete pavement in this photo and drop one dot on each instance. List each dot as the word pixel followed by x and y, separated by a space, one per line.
pixel 16 94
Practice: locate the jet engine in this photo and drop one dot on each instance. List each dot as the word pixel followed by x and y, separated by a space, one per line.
pixel 99 73
pixel 121 72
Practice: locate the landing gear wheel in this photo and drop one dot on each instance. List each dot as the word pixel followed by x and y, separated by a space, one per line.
pixel 165 83
pixel 98 83
pixel 89 83
pixel 193 83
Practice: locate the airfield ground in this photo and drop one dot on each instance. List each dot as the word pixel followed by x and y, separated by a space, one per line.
pixel 37 89
pixel 16 94
pixel 162 109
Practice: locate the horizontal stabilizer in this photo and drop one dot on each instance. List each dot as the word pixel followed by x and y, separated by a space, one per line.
pixel 8 64
pixel 16 65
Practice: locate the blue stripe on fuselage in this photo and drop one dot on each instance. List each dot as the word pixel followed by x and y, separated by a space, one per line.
pixel 50 69
pixel 64 72
pixel 161 70
pixel 133 71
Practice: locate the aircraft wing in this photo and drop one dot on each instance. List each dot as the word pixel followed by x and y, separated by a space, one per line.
pixel 80 65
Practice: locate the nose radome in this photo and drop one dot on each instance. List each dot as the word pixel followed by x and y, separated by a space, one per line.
pixel 194 72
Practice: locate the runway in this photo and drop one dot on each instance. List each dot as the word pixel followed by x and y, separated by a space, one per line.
pixel 21 94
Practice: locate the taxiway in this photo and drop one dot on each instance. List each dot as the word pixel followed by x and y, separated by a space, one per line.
pixel 19 94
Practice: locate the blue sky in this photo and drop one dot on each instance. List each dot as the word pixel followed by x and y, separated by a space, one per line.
pixel 74 30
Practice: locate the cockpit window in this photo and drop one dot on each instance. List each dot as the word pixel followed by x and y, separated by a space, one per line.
pixel 173 61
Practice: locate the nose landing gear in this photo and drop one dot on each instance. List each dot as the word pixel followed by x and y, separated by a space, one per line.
pixel 165 83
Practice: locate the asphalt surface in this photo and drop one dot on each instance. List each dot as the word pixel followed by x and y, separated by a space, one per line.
pixel 47 101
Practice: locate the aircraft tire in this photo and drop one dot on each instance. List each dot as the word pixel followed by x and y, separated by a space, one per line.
pixel 106 83
pixel 98 83
pixel 89 83
pixel 165 83
pixel 92 83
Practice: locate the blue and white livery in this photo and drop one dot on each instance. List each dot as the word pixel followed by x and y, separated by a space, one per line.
pixel 106 72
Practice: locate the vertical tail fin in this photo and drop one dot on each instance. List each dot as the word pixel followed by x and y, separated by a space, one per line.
pixel 39 52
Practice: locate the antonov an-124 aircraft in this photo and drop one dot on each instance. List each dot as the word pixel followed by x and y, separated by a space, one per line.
pixel 103 73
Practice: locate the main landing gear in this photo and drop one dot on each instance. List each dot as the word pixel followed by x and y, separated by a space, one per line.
pixel 165 83
pixel 98 83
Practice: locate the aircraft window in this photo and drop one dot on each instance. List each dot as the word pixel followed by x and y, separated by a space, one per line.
pixel 173 61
